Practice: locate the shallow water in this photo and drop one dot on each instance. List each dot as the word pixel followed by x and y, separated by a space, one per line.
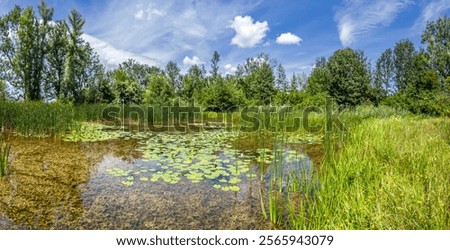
pixel 206 181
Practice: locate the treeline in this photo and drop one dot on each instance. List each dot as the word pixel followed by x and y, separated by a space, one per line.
pixel 47 60
pixel 416 80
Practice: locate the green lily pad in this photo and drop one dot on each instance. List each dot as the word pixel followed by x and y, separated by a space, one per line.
pixel 128 183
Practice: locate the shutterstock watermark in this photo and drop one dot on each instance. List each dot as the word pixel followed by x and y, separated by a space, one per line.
pixel 192 118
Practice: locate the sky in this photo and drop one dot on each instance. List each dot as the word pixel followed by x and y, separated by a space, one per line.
pixel 294 32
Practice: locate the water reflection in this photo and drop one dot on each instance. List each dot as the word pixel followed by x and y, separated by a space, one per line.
pixel 60 185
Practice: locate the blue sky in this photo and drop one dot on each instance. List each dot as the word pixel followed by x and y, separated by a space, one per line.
pixel 293 32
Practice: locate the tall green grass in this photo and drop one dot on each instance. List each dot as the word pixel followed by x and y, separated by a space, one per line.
pixel 36 118
pixel 393 173
pixel 4 158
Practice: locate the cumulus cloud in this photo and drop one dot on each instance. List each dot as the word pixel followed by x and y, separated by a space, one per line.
pixel 111 57
pixel 288 39
pixel 192 61
pixel 248 32
pixel 358 17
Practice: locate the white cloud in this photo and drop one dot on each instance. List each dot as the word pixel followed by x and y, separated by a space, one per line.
pixel 358 17
pixel 148 14
pixel 288 39
pixel 192 61
pixel 167 30
pixel 111 57
pixel 139 14
pixel 230 69
pixel 248 33
pixel 431 12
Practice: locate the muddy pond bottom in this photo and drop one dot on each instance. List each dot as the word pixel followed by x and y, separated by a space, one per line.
pixel 205 181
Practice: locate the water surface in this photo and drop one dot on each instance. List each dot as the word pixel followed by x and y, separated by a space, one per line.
pixel 209 180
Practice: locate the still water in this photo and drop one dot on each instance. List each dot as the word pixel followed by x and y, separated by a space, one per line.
pixel 208 180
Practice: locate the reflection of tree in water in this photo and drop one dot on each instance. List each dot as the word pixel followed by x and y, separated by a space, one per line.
pixel 43 189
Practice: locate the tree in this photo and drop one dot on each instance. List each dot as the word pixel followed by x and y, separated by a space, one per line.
pixel 385 72
pixel 97 85
pixel 41 49
pixel 26 57
pixel 77 58
pixel 223 96
pixel 319 77
pixel 173 72
pixel 126 90
pixel 23 50
pixel 437 37
pixel 139 72
pixel 349 83
pixel 215 65
pixel 404 52
pixel 259 81
pixel 281 80
pixel 424 78
pixel 56 57
pixel 160 91
pixel 193 83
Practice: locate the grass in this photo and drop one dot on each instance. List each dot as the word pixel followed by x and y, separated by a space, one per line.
pixel 35 118
pixel 4 158
pixel 393 173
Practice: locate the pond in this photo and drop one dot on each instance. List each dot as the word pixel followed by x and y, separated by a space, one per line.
pixel 140 180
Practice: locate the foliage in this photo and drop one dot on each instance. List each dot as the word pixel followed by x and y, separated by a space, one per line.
pixel 319 78
pixel 223 96
pixel 259 80
pixel 126 90
pixel 159 91
pixel 139 72
pixel 57 50
pixel 404 52
pixel 192 84
pixel 437 37
pixel 173 72
pixel 349 77
pixel 22 47
pixel 384 76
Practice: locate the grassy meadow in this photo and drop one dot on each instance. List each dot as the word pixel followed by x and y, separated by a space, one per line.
pixel 392 173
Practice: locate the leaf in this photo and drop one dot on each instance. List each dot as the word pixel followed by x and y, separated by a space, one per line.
pixel 128 183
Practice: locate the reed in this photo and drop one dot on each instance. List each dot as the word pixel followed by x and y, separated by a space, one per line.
pixel 35 118
pixel 4 158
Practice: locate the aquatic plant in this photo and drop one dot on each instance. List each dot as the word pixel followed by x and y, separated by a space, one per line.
pixel 207 157
pixel 36 119
pixel 95 132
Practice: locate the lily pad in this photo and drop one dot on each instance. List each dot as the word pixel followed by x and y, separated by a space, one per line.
pixel 128 183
